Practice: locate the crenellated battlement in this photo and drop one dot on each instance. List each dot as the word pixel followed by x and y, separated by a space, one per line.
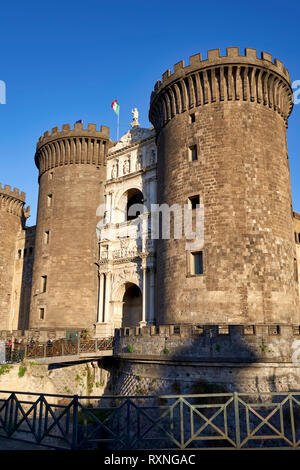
pixel 296 215
pixel 12 200
pixel 222 78
pixel 232 343
pixel 67 146
pixel 214 57
pixel 211 330
pixel 77 130
pixel 14 193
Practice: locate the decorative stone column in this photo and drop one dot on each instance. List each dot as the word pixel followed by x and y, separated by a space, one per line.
pixel 104 327
pixel 151 319
pixel 144 311
pixel 100 318
pixel 106 316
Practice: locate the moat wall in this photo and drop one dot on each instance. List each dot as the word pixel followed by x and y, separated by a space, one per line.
pixel 208 359
pixel 82 379
pixel 176 359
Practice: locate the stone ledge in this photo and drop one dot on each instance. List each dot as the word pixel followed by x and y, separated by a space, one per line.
pixel 198 363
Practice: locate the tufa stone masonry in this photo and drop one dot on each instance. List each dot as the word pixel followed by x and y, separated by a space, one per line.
pixel 219 140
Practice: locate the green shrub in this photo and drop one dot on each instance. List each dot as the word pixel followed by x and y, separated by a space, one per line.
pixel 166 351
pixel 4 369
pixel 22 370
pixel 130 348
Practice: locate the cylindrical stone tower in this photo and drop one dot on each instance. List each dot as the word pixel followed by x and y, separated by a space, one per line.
pixel 11 223
pixel 72 171
pixel 221 136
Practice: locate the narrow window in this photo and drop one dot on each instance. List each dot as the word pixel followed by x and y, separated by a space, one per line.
pixel 19 254
pixel 44 283
pixel 42 314
pixel 298 237
pixel 30 251
pixel 194 201
pixel 46 237
pixel 197 262
pixel 49 202
pixel 51 175
pixel 192 118
pixel 25 252
pixel 193 153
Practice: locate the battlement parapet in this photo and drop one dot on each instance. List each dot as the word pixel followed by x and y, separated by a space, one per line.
pixel 40 335
pixel 233 343
pixel 77 131
pixel 68 146
pixel 296 215
pixel 222 78
pixel 12 200
pixel 14 193
pixel 189 330
pixel 232 55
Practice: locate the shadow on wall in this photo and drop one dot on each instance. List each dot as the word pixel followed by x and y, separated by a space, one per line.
pixel 210 362
pixel 26 281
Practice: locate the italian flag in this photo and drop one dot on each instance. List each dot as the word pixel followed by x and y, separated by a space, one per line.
pixel 115 106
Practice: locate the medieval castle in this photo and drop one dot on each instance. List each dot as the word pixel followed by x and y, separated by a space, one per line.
pixel 218 139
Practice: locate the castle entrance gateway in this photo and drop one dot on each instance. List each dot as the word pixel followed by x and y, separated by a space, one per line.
pixel 127 305
pixel 132 306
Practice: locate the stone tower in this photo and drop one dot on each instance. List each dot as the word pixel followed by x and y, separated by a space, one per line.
pixel 12 219
pixel 221 136
pixel 72 170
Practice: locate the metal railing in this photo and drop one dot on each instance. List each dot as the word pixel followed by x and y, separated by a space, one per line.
pixel 231 421
pixel 57 348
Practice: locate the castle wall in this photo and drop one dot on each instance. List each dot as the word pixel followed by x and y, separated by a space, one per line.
pixel 240 107
pixel 297 241
pixel 22 281
pixel 69 379
pixel 175 359
pixel 72 166
pixel 11 224
pixel 139 377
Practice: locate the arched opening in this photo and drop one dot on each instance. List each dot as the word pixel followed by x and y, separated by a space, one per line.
pixel 134 196
pixel 132 306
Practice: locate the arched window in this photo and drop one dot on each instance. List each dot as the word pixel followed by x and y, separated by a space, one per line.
pixel 134 196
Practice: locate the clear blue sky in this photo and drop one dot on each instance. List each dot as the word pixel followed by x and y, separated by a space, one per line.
pixel 69 59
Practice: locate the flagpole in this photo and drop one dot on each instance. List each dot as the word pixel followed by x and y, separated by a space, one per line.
pixel 118 126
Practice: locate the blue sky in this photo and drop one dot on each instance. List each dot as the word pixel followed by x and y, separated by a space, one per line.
pixel 68 60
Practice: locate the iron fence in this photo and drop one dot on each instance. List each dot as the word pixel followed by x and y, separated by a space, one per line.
pixel 232 421
pixel 57 348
